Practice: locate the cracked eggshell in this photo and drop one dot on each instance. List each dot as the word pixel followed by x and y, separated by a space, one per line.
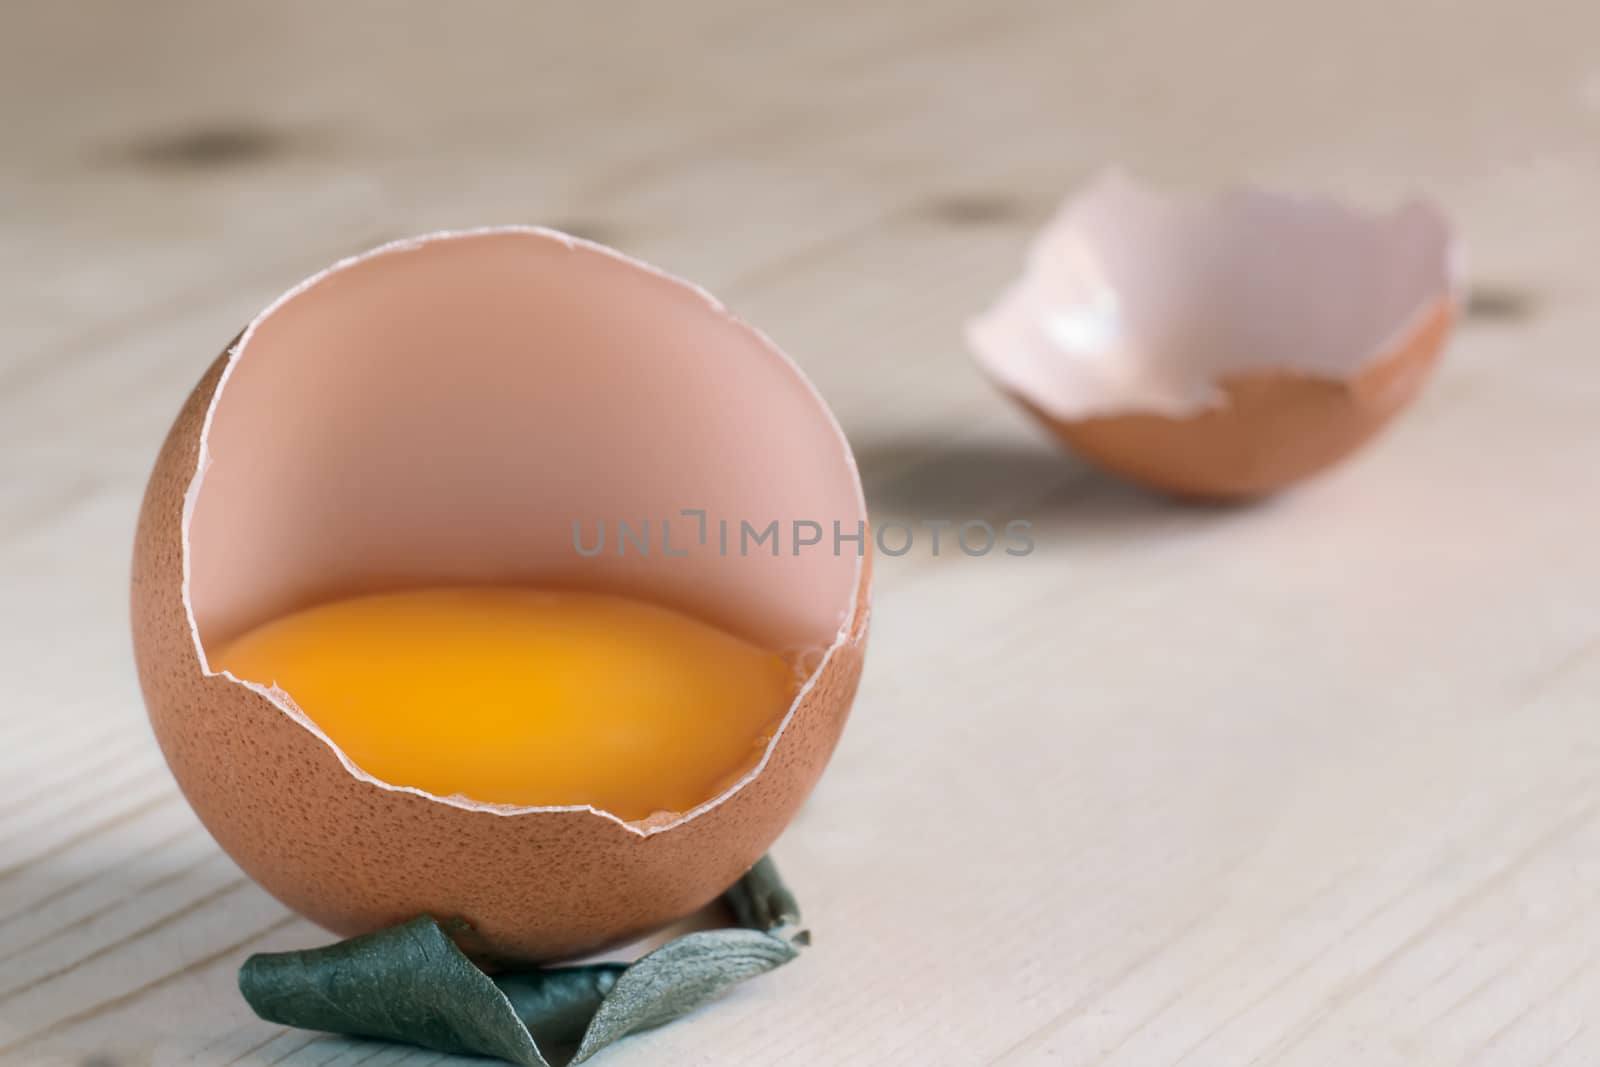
pixel 1221 348
pixel 442 410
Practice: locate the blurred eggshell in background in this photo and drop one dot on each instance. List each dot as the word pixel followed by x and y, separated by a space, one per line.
pixel 1221 347
pixel 442 411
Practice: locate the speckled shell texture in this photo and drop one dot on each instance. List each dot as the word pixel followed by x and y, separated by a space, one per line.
pixel 1272 431
pixel 355 856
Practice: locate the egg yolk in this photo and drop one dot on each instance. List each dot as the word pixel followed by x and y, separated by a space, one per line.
pixel 527 697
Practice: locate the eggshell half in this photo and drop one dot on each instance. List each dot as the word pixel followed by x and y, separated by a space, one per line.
pixel 1222 348
pixel 441 410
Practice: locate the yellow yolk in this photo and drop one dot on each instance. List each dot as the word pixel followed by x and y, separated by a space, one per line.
pixel 520 696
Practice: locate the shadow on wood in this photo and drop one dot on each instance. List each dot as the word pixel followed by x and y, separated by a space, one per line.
pixel 930 479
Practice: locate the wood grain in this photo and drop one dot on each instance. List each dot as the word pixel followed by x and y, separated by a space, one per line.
pixel 1306 783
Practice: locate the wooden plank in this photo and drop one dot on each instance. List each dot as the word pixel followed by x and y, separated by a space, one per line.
pixel 1299 784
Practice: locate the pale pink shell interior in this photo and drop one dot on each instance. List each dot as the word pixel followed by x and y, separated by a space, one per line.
pixel 444 410
pixel 1135 302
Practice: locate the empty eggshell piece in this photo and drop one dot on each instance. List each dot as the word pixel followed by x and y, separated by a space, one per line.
pixel 1221 348
pixel 442 411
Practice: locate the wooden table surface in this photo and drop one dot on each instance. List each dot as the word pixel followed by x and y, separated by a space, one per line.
pixel 1314 782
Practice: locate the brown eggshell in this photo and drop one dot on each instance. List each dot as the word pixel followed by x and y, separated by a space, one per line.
pixel 354 854
pixel 1274 429
pixel 1221 348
